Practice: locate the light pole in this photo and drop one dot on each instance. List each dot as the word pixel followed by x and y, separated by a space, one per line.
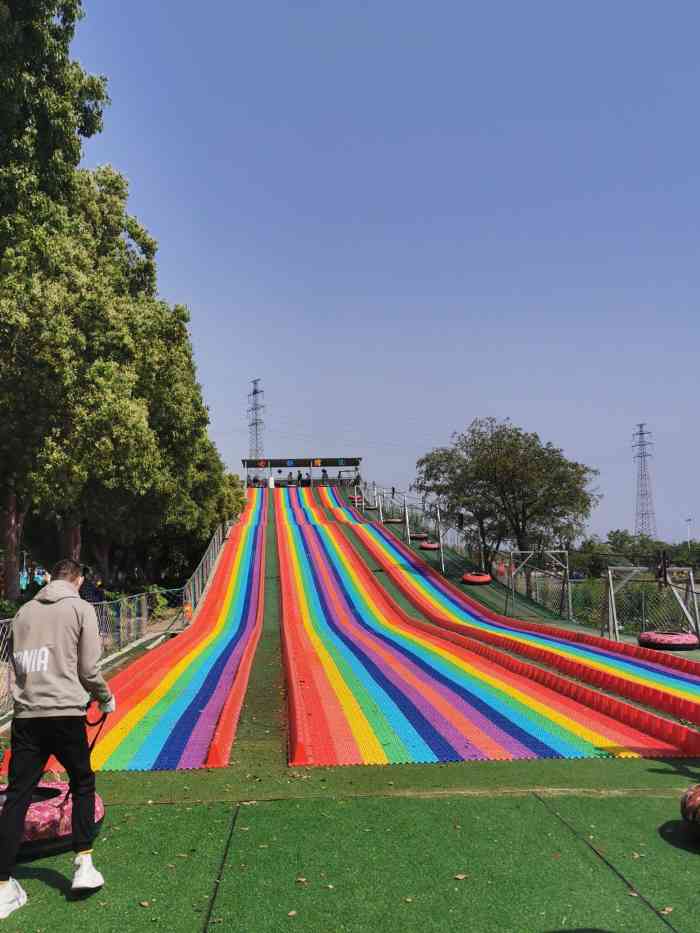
pixel 688 521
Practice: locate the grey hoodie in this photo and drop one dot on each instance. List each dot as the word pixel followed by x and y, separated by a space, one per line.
pixel 55 649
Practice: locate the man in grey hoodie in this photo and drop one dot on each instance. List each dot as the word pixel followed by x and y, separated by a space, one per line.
pixel 56 647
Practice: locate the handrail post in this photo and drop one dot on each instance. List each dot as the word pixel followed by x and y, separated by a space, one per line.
pixel 439 534
pixel 408 525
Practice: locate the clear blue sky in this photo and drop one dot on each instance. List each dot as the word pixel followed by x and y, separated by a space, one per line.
pixel 405 215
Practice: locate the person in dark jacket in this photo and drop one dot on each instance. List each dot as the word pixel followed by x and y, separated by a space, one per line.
pixel 91 591
pixel 55 652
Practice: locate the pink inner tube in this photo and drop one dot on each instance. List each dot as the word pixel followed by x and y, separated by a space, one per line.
pixel 49 824
pixel 429 546
pixel 668 641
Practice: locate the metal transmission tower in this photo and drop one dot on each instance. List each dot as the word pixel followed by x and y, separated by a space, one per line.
pixel 256 407
pixel 645 517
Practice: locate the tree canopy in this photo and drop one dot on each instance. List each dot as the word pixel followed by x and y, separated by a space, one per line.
pixel 509 486
pixel 103 427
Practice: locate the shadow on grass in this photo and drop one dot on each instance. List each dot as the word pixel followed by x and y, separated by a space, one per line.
pixel 681 835
pixel 53 879
pixel 688 768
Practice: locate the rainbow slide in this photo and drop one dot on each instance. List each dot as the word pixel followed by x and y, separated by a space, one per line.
pixel 367 684
pixel 671 685
pixel 178 705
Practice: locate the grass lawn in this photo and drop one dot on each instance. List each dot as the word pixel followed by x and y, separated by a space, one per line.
pixel 349 865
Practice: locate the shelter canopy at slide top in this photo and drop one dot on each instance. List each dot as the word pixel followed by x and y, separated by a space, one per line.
pixel 259 463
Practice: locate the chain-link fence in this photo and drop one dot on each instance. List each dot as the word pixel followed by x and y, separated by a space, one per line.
pixel 588 601
pixel 123 622
pixel 638 600
pixel 126 620
pixel 539 576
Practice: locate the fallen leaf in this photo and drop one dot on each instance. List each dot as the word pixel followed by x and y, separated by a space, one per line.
pixel 292 913
pixel 460 877
pixel 409 900
pixel 666 910
pixel 144 903
pixel 301 880
pixel 633 894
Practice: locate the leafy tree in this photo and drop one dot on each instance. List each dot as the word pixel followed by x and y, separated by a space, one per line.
pixel 102 423
pixel 48 104
pixel 68 384
pixel 521 489
pixel 446 475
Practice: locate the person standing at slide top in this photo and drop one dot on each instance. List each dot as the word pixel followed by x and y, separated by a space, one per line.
pixel 55 650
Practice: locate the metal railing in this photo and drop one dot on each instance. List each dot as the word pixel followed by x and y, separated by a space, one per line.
pixel 409 515
pixel 197 583
pixel 123 622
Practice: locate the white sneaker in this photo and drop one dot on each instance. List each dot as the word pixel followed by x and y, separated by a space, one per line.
pixel 86 877
pixel 12 897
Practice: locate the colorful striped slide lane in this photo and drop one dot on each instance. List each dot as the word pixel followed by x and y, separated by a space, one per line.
pixel 671 685
pixel 178 705
pixel 336 507
pixel 322 505
pixel 368 686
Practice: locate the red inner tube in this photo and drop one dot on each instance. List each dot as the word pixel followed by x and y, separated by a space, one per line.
pixel 429 546
pixel 477 578
pixel 669 641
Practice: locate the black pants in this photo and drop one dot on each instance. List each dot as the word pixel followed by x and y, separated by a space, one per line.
pixel 33 742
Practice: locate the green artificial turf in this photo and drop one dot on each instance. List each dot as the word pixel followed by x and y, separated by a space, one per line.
pixel 649 845
pixel 360 865
pixel 160 866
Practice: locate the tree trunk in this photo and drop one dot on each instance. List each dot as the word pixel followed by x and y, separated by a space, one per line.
pixel 102 547
pixel 71 539
pixel 11 522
